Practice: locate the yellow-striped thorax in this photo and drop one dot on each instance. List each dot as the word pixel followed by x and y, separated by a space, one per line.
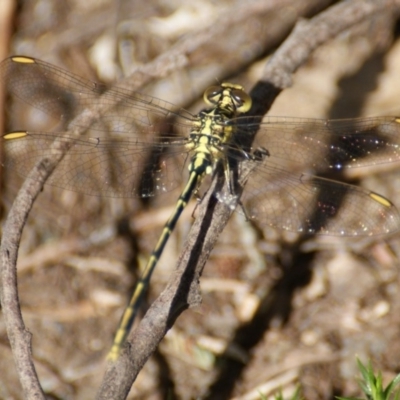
pixel 211 129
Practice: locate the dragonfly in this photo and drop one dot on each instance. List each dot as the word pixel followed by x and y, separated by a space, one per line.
pixel 139 145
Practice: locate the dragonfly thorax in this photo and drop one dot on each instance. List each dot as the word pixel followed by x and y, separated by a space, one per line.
pixel 211 129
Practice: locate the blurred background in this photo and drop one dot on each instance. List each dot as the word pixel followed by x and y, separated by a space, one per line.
pixel 277 310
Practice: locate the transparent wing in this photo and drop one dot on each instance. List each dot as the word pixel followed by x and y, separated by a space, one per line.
pixel 310 204
pixel 281 192
pixel 131 149
pixel 64 95
pixel 107 167
pixel 326 144
pixel 128 152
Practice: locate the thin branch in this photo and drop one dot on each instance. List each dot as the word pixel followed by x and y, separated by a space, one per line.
pixel 19 337
pixel 178 56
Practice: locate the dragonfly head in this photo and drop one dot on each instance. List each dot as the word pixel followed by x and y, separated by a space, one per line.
pixel 228 96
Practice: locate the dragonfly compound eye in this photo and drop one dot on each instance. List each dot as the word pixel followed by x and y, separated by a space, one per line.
pixel 212 95
pixel 242 100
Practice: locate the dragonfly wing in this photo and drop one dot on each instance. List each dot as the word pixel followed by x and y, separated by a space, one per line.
pixel 322 145
pixel 125 151
pixel 283 192
pixel 107 167
pixel 62 94
pixel 309 204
